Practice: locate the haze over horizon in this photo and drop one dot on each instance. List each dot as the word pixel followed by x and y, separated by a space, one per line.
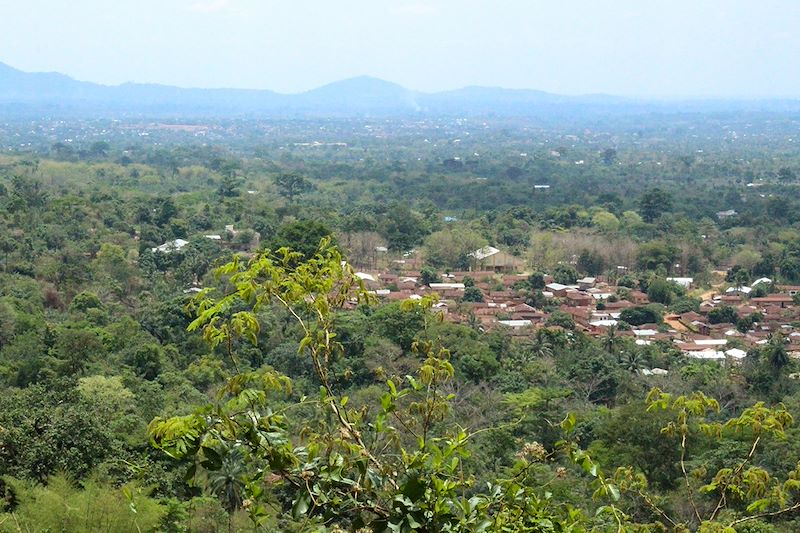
pixel 694 49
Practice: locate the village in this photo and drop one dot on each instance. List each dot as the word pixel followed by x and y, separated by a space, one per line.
pixel 495 294
pixel 489 296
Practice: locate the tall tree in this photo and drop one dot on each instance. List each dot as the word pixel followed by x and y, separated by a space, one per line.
pixel 291 185
pixel 654 203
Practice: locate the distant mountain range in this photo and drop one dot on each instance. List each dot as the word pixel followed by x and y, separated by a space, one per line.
pixel 53 92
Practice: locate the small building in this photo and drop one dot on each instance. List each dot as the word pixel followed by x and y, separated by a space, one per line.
pixel 738 291
pixel 618 305
pixel 558 290
pixel 790 289
pixel 170 246
pixel 490 258
pixel 638 297
pixel 578 299
pixel 447 286
pixel 686 283
pixel 781 300
pixel 363 276
pixel 698 326
pixel 516 324
pixel 526 312
pixel 368 280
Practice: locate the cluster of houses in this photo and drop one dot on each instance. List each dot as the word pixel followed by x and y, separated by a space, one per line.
pixel 231 238
pixel 595 306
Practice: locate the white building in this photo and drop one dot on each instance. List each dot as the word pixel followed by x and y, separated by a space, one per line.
pixel 170 246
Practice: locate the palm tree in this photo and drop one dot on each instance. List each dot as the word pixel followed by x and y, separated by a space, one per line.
pixel 228 482
pixel 631 361
pixel 610 338
pixel 776 354
pixel 541 347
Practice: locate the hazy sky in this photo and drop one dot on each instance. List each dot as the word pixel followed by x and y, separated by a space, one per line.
pixel 625 47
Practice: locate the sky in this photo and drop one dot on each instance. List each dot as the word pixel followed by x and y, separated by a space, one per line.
pixel 643 48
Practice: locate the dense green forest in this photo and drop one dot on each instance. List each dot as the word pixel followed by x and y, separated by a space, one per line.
pixel 189 340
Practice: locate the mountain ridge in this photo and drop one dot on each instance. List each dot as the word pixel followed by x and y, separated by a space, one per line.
pixel 358 95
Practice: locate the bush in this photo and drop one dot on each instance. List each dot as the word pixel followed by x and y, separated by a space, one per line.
pixel 723 314
pixel 536 280
pixel 660 291
pixel 562 319
pixel 472 294
pixel 685 305
pixel 565 274
pixel 60 506
pixel 429 275
pixel 85 300
pixel 636 316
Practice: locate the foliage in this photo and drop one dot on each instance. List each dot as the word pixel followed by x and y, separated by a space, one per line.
pixel 723 314
pixel 336 477
pixel 691 417
pixel 472 294
pixel 94 340
pixel 660 291
pixel 60 506
pixel 565 275
pixel 636 316
pixel 291 185
pixel 302 237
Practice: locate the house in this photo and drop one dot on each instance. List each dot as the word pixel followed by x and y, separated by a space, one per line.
pixel 490 258
pixel 170 246
pixel 368 280
pixel 600 296
pixel 388 278
pixel 406 283
pixel 476 275
pixel 558 290
pixel 603 323
pixel 683 282
pixel 654 372
pixel 618 305
pixel 781 300
pixel 790 289
pixel 581 315
pixel 447 286
pixel 638 297
pixel 578 299
pixel 689 317
pixel 586 283
pixel 740 291
pixel 363 276
pixel 381 292
pixel 526 312
pixel 722 215
pixel 515 324
pixel 510 281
